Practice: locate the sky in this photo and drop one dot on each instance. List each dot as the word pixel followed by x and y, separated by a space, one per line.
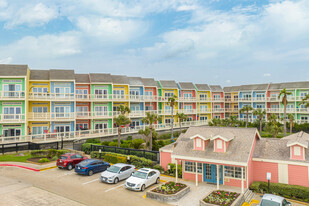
pixel 226 42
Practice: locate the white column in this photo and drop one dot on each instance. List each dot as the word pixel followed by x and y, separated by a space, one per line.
pixel 242 180
pixel 196 176
pixel 218 178
pixel 176 171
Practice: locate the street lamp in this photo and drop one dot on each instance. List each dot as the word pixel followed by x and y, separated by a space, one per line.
pixel 268 176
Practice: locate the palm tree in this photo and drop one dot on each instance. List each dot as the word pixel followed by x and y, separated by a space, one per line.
pixel 172 101
pixel 150 119
pixel 120 122
pixel 284 93
pixel 291 120
pixel 260 114
pixel 146 132
pixel 181 118
pixel 305 100
pixel 123 109
pixel 246 109
pixel 272 125
pixel 233 120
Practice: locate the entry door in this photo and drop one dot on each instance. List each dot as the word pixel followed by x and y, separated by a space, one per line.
pixel 210 173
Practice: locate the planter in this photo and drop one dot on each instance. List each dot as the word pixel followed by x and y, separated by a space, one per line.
pixel 168 197
pixel 237 202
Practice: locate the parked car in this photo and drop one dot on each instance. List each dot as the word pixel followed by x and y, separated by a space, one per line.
pixel 142 178
pixel 91 166
pixel 117 172
pixel 273 200
pixel 69 160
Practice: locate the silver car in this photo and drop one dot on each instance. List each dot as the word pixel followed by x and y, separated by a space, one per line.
pixel 117 172
pixel 273 200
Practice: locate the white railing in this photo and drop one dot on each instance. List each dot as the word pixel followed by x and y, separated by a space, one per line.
pixel 187 111
pixel 149 98
pixel 82 134
pixel 52 96
pixel 302 121
pixel 204 111
pixel 218 110
pixel 12 95
pixel 12 118
pixel 187 99
pixel 167 112
pixel 214 99
pixel 231 110
pixel 257 99
pixel 245 99
pixel 137 98
pixel 38 116
pixel 204 99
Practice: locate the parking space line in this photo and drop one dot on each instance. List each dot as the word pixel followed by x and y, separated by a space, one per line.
pixel 114 188
pixel 65 174
pixel 90 181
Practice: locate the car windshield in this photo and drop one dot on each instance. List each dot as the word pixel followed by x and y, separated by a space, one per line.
pixel 84 163
pixel 63 157
pixel 113 169
pixel 141 175
pixel 269 203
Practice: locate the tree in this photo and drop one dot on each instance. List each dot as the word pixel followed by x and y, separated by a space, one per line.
pixel 123 109
pixel 260 115
pixel 246 109
pixel 120 122
pixel 172 101
pixel 273 126
pixel 305 101
pixel 181 118
pixel 150 119
pixel 291 120
pixel 215 122
pixel 233 120
pixel 284 93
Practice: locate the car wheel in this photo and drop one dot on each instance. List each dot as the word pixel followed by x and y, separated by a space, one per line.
pixel 70 167
pixel 116 180
pixel 158 180
pixel 59 168
pixel 90 173
pixel 143 188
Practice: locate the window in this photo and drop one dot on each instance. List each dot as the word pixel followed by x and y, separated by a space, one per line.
pixel 303 94
pixel 217 117
pixel 134 93
pixel 101 110
pixel 246 96
pixel 39 130
pixel 168 108
pixel 187 95
pixel 12 112
pixel 191 167
pixel 149 108
pixel 65 128
pixel 100 126
pixel 39 109
pixel 135 108
pixel 198 142
pixel 203 108
pixel 82 126
pixel 82 93
pixel 101 93
pixel 168 95
pixel 203 96
pixel 62 111
pixel 219 144
pixel 11 90
pixel 217 96
pixel 203 118
pixel 167 121
pixel 234 172
pixel 297 151
pixel 260 106
pixel 148 93
pixel 187 107
pixel 82 111
pixel 62 91
pixel 40 90
pixel 118 94
pixel 135 123
pixel 11 132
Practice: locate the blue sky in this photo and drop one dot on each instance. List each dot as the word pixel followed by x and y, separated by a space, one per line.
pixel 227 42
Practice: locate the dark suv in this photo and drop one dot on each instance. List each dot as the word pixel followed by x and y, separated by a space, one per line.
pixel 69 160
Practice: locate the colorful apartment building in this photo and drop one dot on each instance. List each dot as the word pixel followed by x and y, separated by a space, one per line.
pixel 204 102
pixel 238 156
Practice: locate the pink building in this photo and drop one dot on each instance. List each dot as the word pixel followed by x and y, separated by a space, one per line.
pixel 238 156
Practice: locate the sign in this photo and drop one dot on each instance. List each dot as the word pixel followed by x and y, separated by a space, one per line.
pixel 268 176
pixel 100 151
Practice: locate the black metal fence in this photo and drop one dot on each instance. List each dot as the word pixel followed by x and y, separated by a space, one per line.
pixel 16 147
pixel 152 155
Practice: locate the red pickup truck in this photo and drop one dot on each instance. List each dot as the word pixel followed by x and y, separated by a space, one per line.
pixel 69 160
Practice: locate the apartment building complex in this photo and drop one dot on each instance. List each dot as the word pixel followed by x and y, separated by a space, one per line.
pixel 35 102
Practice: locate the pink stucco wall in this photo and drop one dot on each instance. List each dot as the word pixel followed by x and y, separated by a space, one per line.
pixel 195 143
pixel 165 159
pixel 223 145
pixel 153 89
pixel 188 92
pixel 235 183
pixel 297 157
pixel 298 175
pixel 250 163
pixel 260 170
pixel 191 176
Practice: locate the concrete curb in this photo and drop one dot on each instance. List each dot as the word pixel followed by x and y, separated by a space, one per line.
pixel 23 167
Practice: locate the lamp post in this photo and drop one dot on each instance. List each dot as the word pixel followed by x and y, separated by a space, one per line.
pixel 268 179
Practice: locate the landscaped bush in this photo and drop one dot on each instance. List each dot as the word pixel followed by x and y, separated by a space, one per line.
pixel 54 158
pixel 86 147
pixel 51 153
pixel 106 143
pixel 43 160
pixel 137 143
pixel 222 198
pixel 48 153
pixel 158 167
pixel 169 188
pixel 113 144
pixel 38 153
pixel 288 191
pixel 61 152
pixel 129 138
pixel 172 170
pixel 93 141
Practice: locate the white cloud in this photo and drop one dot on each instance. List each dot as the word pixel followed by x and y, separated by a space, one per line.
pixel 6 60
pixel 267 75
pixel 228 81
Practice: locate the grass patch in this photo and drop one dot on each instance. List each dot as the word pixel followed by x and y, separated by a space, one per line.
pixel 15 157
pixel 269 135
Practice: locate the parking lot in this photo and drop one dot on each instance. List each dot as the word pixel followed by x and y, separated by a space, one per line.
pixel 63 187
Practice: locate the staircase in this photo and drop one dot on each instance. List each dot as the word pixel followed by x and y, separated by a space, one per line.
pixel 248 195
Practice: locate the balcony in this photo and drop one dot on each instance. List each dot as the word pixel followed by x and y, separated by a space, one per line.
pixel 101 97
pixel 167 112
pixel 120 97
pixel 245 99
pixel 47 116
pixel 218 110
pixel 82 97
pixel 101 114
pixel 12 118
pixel 216 99
pixel 259 99
pixel 187 111
pixel 187 99
pixel 12 95
pixel 136 98
pixel 302 121
pixel 231 110
pixel 40 96
pixel 204 99
pixel 204 111
pixel 149 98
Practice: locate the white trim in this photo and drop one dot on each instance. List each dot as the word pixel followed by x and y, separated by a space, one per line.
pixel 297 143
pixel 209 160
pixel 281 161
pixel 165 150
pixel 220 137
pixel 200 136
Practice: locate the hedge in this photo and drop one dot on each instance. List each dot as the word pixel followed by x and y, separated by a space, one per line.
pixel 294 192
pixel 172 170
pixel 48 153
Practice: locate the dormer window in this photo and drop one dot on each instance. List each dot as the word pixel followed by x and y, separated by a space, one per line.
pixel 297 149
pixel 221 143
pixel 199 142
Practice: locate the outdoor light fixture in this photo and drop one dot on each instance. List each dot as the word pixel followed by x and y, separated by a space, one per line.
pixel 268 176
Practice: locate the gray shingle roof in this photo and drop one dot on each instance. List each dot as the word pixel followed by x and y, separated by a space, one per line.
pixel 300 138
pixel 150 82
pixel 186 85
pixel 231 89
pixel 169 84
pixel 13 70
pixel 100 78
pixel 61 74
pixel 135 81
pixel 215 88
pixel 39 75
pixel 202 87
pixel 254 87
pixel 275 149
pixel 238 150
pixel 82 78
pixel 289 85
pixel 120 79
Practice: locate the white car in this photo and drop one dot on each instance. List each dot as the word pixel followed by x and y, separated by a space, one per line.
pixel 273 200
pixel 142 178
pixel 117 172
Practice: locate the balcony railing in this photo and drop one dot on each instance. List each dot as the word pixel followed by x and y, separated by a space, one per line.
pixel 216 110
pixel 52 96
pixel 204 111
pixel 187 99
pixel 12 118
pixel 215 99
pixel 245 99
pixel 204 99
pixel 231 110
pixel 12 95
pixel 187 111
pixel 48 116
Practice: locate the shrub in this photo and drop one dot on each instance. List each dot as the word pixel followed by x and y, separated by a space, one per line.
pixel 51 153
pixel 172 170
pixel 137 143
pixel 129 137
pixel 93 141
pixel 61 152
pixel 38 153
pixel 113 144
pixel 158 167
pixel 288 191
pixel 106 143
pixel 54 158
pixel 86 147
pixel 43 160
